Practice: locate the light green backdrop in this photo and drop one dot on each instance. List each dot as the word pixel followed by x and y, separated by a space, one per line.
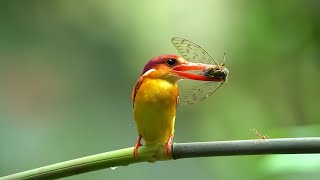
pixel 67 69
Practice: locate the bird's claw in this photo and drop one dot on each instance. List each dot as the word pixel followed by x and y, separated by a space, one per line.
pixel 168 146
pixel 136 147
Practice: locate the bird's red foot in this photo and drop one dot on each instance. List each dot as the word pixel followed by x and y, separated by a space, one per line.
pixel 136 147
pixel 168 145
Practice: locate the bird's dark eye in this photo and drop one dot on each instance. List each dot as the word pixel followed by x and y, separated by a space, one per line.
pixel 171 62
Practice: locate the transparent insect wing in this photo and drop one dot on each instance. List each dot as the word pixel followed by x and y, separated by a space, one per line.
pixel 198 93
pixel 192 52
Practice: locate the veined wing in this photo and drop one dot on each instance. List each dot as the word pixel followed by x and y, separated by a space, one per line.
pixel 192 52
pixel 199 92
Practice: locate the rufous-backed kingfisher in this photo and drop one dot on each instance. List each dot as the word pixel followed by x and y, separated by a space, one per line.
pixel 155 97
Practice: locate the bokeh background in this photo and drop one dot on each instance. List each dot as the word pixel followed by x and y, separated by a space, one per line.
pixel 67 69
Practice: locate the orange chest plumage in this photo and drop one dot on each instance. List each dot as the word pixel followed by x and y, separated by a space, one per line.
pixel 154 109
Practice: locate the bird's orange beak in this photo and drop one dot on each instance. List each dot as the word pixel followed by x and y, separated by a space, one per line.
pixel 181 71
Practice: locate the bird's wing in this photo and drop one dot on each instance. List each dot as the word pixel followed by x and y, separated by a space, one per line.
pixel 136 88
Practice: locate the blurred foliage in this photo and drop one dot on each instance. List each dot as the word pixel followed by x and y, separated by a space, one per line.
pixel 67 69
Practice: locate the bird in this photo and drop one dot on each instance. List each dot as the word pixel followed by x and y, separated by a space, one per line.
pixel 155 97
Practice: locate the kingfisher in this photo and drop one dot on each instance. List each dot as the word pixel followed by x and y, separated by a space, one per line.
pixel 155 96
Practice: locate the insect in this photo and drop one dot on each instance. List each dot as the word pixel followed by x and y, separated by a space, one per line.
pixel 193 52
pixel 260 136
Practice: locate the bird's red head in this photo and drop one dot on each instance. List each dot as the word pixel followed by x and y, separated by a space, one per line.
pixel 172 65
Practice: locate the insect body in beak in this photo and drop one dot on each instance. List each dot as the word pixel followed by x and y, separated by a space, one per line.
pixel 219 72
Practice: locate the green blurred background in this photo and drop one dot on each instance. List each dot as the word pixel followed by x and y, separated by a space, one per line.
pixel 67 69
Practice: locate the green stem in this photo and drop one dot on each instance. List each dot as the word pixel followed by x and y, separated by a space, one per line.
pixel 122 157
pixel 157 152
